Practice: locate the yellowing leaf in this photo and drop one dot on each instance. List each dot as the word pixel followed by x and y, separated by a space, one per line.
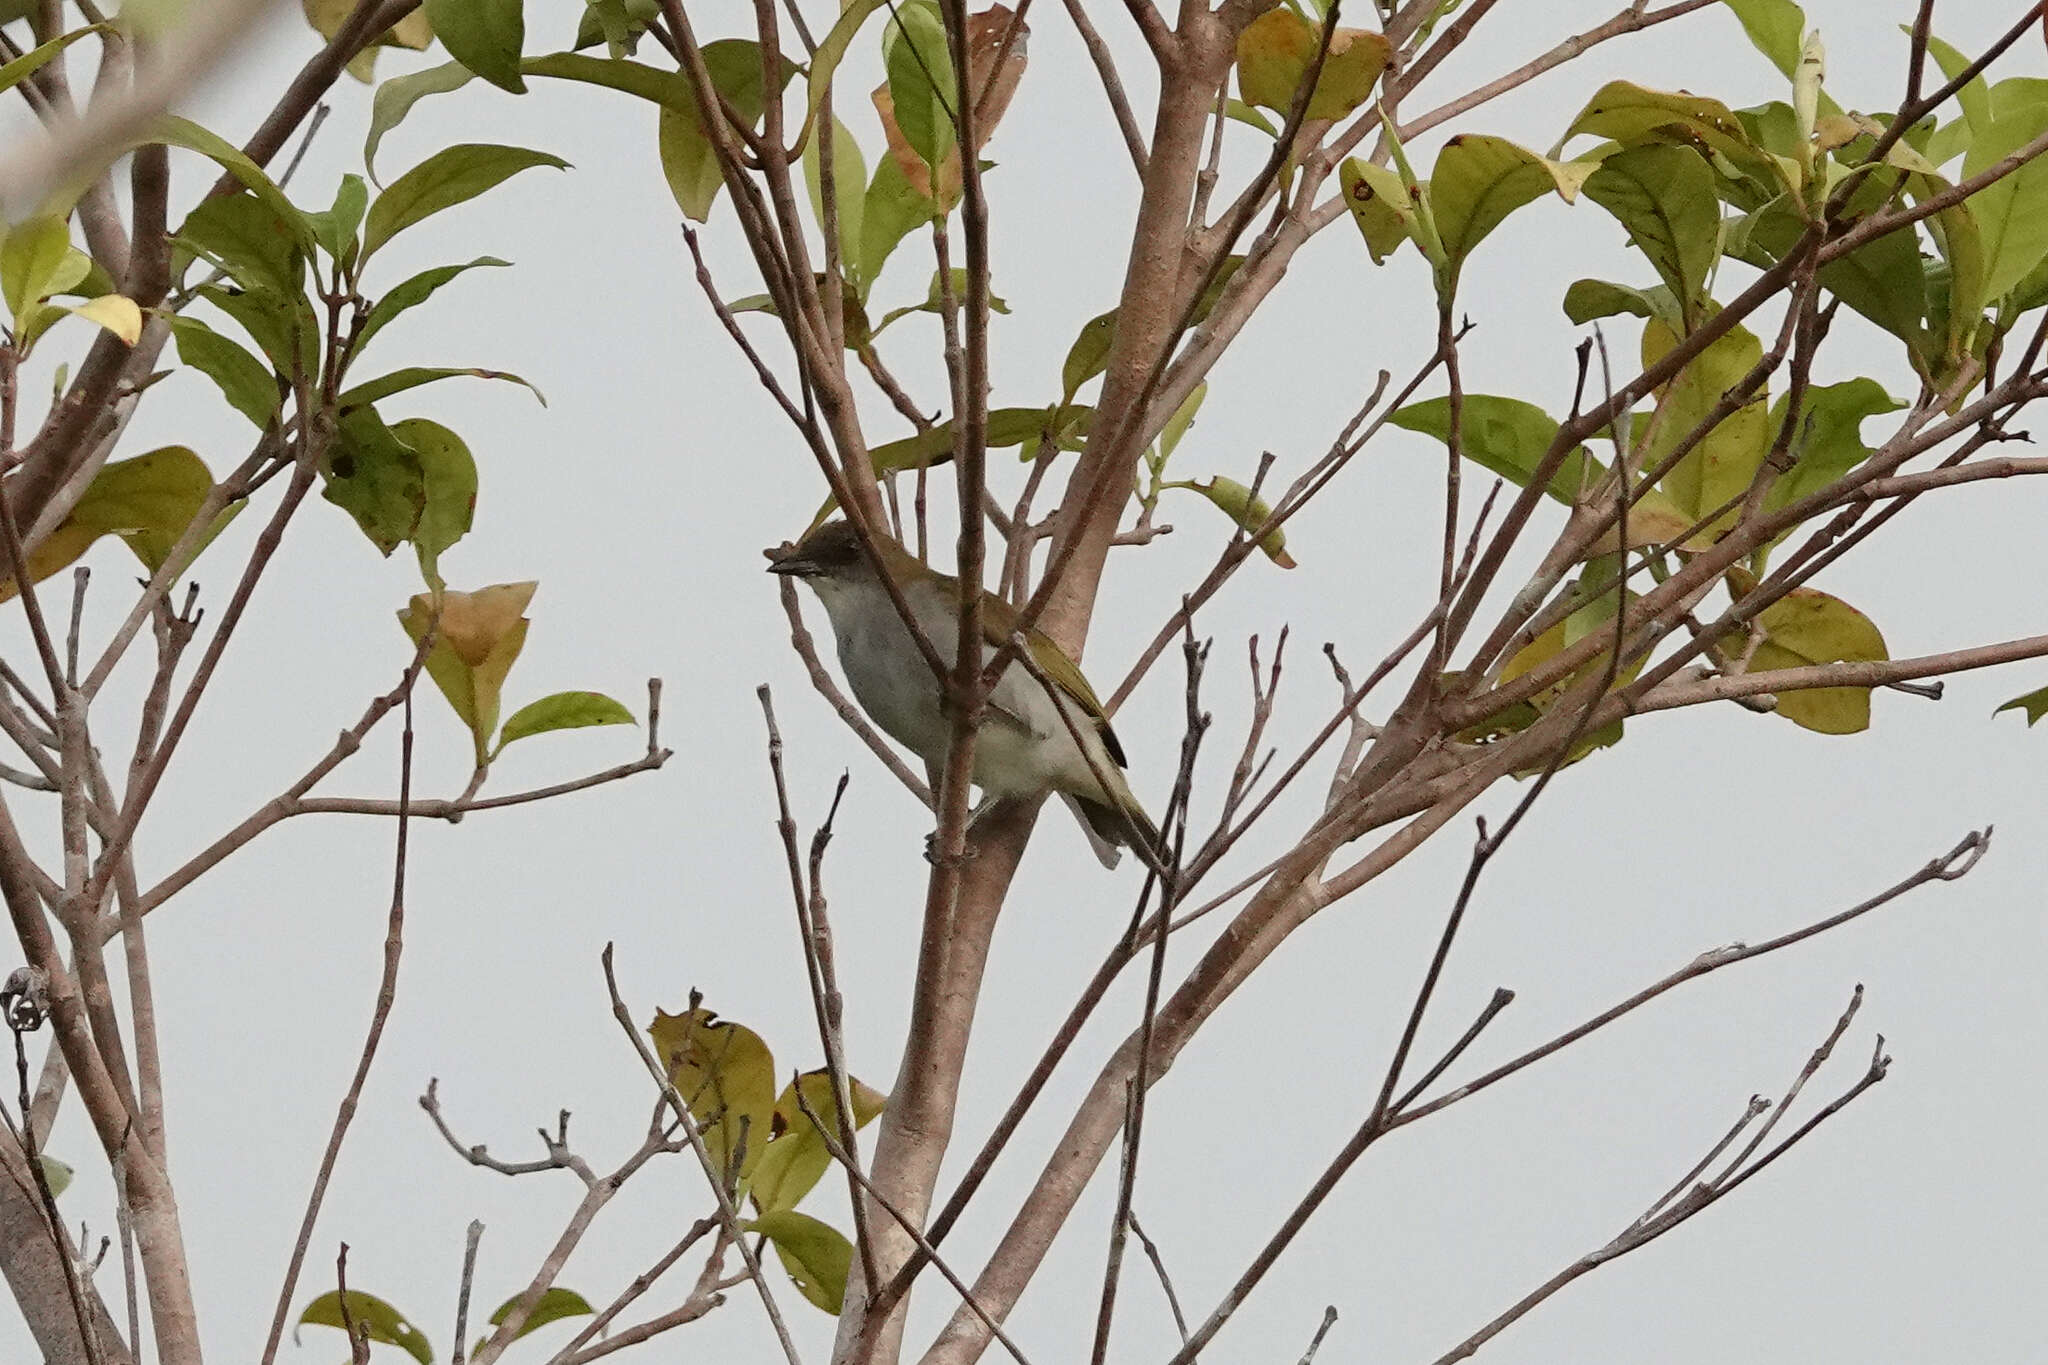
pixel 798 1157
pixel 726 1074
pixel 115 312
pixel 372 1318
pixel 1380 204
pixel 1276 51
pixel 479 637
pixel 1719 469
pixel 147 501
pixel 1478 181
pixel 1805 627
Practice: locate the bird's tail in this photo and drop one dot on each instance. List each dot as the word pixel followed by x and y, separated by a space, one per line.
pixel 1113 828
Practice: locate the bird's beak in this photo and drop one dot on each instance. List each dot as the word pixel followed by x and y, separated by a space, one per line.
pixel 796 565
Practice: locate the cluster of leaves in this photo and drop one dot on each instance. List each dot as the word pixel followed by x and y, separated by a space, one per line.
pixel 1696 183
pixel 765 1141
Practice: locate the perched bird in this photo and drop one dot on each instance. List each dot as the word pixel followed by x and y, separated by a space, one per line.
pixel 1026 745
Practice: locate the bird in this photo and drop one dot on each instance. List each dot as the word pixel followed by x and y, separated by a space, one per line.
pixel 1039 734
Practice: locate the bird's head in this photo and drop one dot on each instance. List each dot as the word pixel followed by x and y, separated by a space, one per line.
pixel 833 562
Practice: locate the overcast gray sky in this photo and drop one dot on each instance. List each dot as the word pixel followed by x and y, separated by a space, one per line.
pixel 1909 1228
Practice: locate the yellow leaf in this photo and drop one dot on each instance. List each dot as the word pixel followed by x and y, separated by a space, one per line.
pixel 726 1074
pixel 115 312
pixel 1276 50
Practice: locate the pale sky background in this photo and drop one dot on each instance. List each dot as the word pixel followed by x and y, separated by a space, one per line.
pixel 1907 1229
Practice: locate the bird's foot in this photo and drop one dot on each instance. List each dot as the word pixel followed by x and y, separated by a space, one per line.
pixel 935 858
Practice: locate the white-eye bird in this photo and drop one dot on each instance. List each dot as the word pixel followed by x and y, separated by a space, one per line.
pixel 1026 745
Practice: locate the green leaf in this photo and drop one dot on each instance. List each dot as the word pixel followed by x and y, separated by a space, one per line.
pixel 726 1074
pixel 372 1318
pixel 1276 51
pixel 1776 27
pixel 1805 627
pixel 1478 181
pixel 445 179
pixel 38 260
pixel 849 186
pixel 376 478
pixel 891 210
pixel 282 325
pixel 396 97
pixel 173 131
pixel 563 711
pixel 335 229
pixel 798 1157
pixel 413 376
pixel 411 294
pixel 476 642
pixel 1724 462
pixel 1239 111
pixel 1504 435
pixel 26 65
pixel 1634 115
pixel 689 161
pixel 148 501
pixel 249 388
pixel 1975 96
pixel 56 1174
pixel 1586 300
pixel 831 51
pixel 1665 197
pixel 554 1305
pixel 484 35
pixel 921 83
pixel 1089 355
pixel 816 1255
pixel 1830 443
pixel 2011 213
pixel 448 505
pixel 1235 500
pixel 1176 428
pixel 2034 703
pixel 246 238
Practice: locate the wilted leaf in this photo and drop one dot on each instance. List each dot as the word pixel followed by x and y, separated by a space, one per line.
pixel 1806 627
pixel 248 386
pixel 726 1074
pixel 798 1157
pixel 479 637
pixel 816 1255
pixel 1250 513
pixel 1276 51
pixel 563 711
pixel 447 178
pixel 484 35
pixel 372 1318
pixel 555 1304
